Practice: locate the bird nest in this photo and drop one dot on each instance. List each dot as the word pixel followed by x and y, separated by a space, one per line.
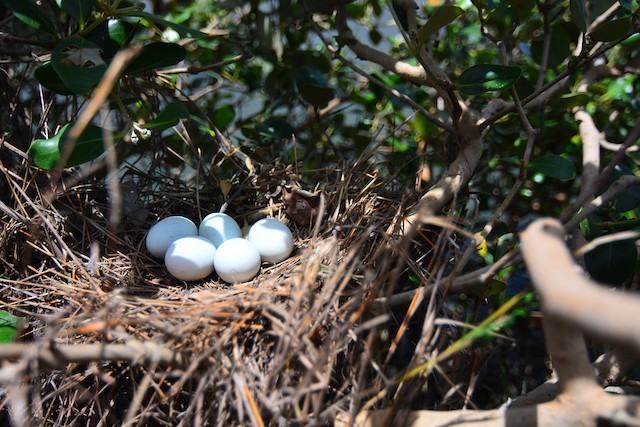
pixel 110 337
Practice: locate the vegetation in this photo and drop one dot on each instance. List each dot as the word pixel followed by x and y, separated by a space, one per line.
pixel 408 145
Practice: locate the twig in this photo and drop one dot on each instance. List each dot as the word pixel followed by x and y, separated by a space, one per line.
pixel 404 98
pixel 195 70
pixel 117 66
pixel 613 192
pixel 571 69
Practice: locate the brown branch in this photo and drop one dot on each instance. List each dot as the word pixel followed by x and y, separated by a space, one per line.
pixel 430 74
pixel 196 70
pixel 108 81
pixel 458 174
pixel 412 73
pixel 615 147
pixel 571 305
pixel 58 355
pixel 401 96
pixel 542 93
pixel 578 409
pixel 590 136
pixel 589 133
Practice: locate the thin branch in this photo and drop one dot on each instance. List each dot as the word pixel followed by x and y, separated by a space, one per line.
pixel 196 70
pixel 415 74
pixel 546 46
pixel 555 83
pixel 404 98
pixel 58 355
pixel 613 192
pixel 100 95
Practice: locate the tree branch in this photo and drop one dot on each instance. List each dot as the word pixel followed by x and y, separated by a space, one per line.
pixel 412 73
pixel 57 355
pixel 571 305
pixel 458 174
pixel 567 294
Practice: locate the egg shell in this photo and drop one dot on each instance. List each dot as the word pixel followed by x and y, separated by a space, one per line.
pixel 237 260
pixel 272 238
pixel 163 233
pixel 190 258
pixel 218 227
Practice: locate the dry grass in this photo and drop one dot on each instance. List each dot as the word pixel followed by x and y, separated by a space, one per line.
pixel 294 346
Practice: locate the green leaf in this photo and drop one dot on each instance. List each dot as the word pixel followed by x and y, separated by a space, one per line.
pixel 313 86
pixel 223 116
pixel 611 30
pixel 31 14
pixel 111 35
pixel 89 146
pixel 442 16
pixel 79 9
pixel 553 166
pixel 78 63
pixel 185 31
pixel 482 78
pixel 9 326
pixel 47 77
pixel 46 153
pixel 170 116
pixel 494 287
pixel 156 55
pixel 424 128
pixel 613 262
pixel 578 14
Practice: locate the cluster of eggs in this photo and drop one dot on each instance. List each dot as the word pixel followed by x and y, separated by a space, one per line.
pixel 193 253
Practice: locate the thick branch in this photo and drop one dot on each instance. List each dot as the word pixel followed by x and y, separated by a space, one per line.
pixel 590 136
pixel 458 174
pixel 568 294
pixel 568 352
pixel 583 409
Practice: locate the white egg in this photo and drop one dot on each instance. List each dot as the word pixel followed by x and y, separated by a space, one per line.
pixel 273 239
pixel 163 233
pixel 218 227
pixel 237 260
pixel 190 258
